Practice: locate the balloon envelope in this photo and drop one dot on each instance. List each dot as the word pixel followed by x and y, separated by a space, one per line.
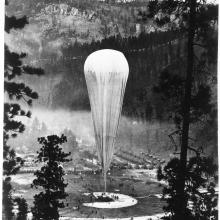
pixel 106 73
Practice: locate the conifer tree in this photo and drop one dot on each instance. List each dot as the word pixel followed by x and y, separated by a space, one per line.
pixel 15 92
pixel 22 208
pixel 197 20
pixel 201 197
pixel 50 178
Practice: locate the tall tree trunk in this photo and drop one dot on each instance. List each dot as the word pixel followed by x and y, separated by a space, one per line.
pixel 186 110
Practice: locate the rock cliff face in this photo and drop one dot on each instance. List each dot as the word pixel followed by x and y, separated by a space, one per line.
pixel 53 24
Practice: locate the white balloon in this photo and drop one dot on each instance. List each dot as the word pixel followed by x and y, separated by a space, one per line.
pixel 106 72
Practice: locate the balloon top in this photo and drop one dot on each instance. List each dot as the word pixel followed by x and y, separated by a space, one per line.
pixel 106 61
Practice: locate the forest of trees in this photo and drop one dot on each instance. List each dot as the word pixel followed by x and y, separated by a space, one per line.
pixel 147 55
pixel 27 142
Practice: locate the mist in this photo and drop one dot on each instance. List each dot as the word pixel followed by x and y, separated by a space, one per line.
pixel 132 134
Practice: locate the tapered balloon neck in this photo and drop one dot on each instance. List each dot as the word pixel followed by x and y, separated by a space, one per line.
pixel 107 61
pixel 105 180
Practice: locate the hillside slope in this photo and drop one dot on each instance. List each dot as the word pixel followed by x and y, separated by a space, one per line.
pixel 53 24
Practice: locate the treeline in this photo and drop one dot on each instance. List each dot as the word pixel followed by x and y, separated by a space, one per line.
pixel 147 55
pixel 126 45
pixel 27 142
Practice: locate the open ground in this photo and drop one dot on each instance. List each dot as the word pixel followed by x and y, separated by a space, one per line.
pixel 139 184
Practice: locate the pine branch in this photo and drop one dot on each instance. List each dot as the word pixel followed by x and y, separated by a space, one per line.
pixel 200 45
pixel 33 71
pixel 16 23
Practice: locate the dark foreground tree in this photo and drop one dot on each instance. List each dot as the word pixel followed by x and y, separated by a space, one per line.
pixel 196 19
pixel 50 178
pixel 14 92
pixel 7 200
pixel 200 170
pixel 170 91
pixel 22 208
pixel 200 194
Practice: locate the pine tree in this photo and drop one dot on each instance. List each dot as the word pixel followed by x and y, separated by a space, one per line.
pixel 50 178
pixel 44 129
pixel 196 19
pixel 35 127
pixel 7 200
pixel 22 208
pixel 201 197
pixel 15 91
pixel 170 92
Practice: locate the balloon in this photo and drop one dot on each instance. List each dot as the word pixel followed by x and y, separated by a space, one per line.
pixel 106 72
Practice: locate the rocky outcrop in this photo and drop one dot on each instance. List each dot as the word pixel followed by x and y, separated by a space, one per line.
pixel 53 25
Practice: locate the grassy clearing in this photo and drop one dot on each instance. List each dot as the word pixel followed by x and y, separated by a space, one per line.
pixel 124 181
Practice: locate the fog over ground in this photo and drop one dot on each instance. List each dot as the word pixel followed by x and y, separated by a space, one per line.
pixel 132 134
